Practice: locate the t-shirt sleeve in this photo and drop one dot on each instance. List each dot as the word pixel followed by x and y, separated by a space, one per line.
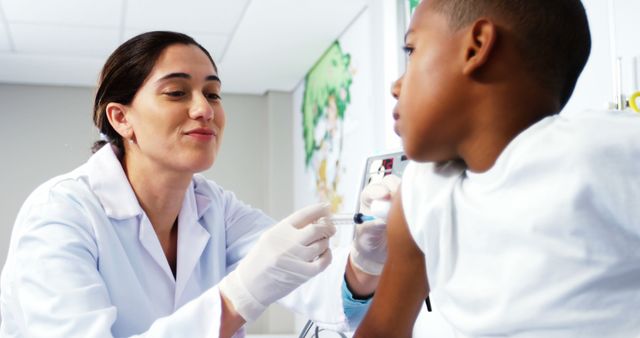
pixel 425 189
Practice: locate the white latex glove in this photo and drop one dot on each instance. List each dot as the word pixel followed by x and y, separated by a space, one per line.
pixel 369 248
pixel 283 258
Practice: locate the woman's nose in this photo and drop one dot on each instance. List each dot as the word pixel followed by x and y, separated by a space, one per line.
pixel 201 108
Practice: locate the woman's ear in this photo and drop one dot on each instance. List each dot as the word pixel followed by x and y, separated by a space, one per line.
pixel 481 40
pixel 117 115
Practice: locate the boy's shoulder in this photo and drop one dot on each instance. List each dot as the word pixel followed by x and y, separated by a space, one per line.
pixel 577 137
pixel 603 134
pixel 624 119
pixel 593 150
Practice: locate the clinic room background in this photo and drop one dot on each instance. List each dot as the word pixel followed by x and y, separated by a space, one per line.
pixel 276 59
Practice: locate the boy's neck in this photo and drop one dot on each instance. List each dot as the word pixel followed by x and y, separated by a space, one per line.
pixel 501 116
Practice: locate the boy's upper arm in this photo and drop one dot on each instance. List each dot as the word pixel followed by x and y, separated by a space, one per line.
pixel 403 285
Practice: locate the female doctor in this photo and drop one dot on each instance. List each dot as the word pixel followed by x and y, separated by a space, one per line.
pixel 133 242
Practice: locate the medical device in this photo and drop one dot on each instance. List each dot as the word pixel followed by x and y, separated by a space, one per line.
pixel 379 210
pixel 348 219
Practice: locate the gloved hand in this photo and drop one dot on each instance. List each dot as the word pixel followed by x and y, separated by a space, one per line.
pixel 283 258
pixel 369 247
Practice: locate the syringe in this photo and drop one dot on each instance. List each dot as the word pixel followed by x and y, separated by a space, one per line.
pixel 348 219
pixel 379 210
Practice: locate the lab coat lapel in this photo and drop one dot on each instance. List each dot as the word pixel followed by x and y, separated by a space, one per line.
pixel 192 238
pixel 150 242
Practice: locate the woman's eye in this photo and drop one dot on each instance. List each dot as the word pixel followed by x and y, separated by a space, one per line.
pixel 177 93
pixel 408 50
pixel 213 96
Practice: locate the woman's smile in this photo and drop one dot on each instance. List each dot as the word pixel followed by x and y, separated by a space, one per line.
pixel 202 134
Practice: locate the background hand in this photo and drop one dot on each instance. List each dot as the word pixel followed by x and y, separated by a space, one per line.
pixel 369 248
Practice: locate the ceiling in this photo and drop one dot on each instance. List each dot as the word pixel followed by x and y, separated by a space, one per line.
pixel 259 45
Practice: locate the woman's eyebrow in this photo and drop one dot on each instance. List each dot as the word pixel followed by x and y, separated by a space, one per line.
pixel 175 75
pixel 187 76
pixel 213 78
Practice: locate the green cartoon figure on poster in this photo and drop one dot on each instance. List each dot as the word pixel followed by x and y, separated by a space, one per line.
pixel 326 97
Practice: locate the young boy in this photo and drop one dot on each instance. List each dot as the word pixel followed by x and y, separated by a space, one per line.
pixel 515 220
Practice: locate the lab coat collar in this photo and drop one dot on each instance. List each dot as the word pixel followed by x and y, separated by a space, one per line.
pixel 202 200
pixel 192 237
pixel 110 184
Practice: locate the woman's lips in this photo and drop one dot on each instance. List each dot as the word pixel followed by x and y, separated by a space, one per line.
pixel 201 134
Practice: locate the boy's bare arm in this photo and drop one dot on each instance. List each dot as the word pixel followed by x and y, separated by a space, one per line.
pixel 403 285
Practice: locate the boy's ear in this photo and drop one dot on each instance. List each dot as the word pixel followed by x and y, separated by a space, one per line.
pixel 117 115
pixel 480 43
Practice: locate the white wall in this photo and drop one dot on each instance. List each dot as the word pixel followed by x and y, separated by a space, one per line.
pixel 45 131
pixel 278 168
pixel 595 87
pixel 239 166
pixel 280 154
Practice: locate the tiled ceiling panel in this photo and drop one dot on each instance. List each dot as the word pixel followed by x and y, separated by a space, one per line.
pixel 258 45
pixel 317 24
pixel 50 70
pixel 64 40
pixel 67 12
pixel 211 16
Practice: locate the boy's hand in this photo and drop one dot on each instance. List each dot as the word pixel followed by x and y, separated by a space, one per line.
pixel 369 248
pixel 405 278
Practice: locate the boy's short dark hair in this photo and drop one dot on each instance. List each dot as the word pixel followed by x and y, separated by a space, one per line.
pixel 552 35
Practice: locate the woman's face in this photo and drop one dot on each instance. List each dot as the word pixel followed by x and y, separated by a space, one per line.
pixel 176 116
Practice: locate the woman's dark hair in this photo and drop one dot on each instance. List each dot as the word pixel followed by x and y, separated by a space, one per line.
pixel 124 73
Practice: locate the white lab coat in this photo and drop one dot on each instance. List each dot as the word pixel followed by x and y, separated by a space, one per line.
pixel 84 261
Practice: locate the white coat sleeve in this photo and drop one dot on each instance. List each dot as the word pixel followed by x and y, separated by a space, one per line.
pixel 244 225
pixel 60 291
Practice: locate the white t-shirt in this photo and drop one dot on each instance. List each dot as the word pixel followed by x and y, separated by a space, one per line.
pixel 544 244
